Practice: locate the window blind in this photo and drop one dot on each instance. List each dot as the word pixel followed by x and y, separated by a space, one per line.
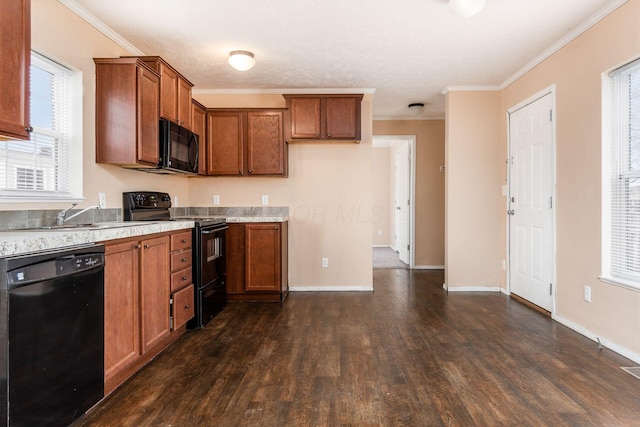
pixel 40 167
pixel 624 190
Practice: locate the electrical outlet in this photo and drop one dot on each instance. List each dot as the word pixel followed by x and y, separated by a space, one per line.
pixel 216 199
pixel 325 262
pixel 504 264
pixel 175 201
pixel 379 232
pixel 102 200
pixel 587 293
pixel 265 199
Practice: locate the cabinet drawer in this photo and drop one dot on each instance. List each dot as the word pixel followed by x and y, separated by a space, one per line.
pixel 181 260
pixel 181 241
pixel 181 278
pixel 183 307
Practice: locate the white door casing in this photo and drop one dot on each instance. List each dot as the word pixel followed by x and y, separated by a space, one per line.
pixel 402 183
pixel 531 202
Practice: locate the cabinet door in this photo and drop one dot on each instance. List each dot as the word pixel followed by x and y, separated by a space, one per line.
pixel 265 143
pixel 235 253
pixel 305 118
pixel 121 307
pixel 199 126
pixel 147 114
pixel 183 100
pixel 183 310
pixel 342 118
pixel 168 93
pixel 225 136
pixel 15 51
pixel 262 246
pixel 154 291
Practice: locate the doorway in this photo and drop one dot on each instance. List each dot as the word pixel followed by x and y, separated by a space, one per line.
pixel 531 200
pixel 399 208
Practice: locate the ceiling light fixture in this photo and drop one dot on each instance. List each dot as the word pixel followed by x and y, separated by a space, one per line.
pixel 466 8
pixel 241 60
pixel 416 107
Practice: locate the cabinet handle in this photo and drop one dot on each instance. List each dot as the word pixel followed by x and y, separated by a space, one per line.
pixel 184 279
pixel 147 246
pixel 184 240
pixel 137 246
pixel 184 260
pixel 29 129
pixel 186 307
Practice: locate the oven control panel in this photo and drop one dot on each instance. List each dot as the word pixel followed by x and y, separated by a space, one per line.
pixel 146 199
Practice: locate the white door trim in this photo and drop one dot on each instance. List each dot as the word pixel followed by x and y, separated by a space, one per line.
pixel 411 139
pixel 551 90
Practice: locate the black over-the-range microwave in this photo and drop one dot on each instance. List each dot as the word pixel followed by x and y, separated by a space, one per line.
pixel 178 149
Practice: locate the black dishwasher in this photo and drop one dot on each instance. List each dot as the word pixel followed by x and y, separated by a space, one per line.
pixel 51 335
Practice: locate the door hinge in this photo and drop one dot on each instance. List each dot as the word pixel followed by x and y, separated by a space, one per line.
pixel 550 115
pixel 408 247
pixel 550 288
pixel 551 202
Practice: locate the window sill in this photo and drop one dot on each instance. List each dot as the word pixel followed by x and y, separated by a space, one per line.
pixel 623 283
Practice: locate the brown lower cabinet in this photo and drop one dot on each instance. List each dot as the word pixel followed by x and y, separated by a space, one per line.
pixel 257 268
pixel 137 313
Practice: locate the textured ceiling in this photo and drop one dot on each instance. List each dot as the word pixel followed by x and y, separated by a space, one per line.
pixel 405 50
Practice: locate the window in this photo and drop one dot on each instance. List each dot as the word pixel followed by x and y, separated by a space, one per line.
pixel 621 175
pixel 46 167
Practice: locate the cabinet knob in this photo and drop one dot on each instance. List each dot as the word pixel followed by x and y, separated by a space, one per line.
pixel 184 240
pixel 29 129
pixel 184 278
pixel 249 170
pixel 137 246
pixel 178 121
pixel 240 172
pixel 186 307
pixel 184 260
pixel 147 246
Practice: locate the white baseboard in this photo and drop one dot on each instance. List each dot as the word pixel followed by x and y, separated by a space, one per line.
pixel 330 288
pixel 428 267
pixel 610 345
pixel 471 288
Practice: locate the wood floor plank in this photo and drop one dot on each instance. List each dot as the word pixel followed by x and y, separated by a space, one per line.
pixel 408 354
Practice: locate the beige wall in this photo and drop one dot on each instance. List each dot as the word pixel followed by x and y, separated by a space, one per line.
pixel 328 191
pixel 475 176
pixel 429 221
pixel 614 313
pixel 382 230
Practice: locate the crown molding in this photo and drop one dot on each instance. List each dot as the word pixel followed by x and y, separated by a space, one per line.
pixel 297 91
pixel 478 88
pixel 100 26
pixel 575 33
pixel 406 118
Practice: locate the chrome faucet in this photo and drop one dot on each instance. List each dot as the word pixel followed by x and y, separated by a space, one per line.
pixel 62 215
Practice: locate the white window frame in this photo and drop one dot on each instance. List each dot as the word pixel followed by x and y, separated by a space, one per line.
pixel 73 152
pixel 615 148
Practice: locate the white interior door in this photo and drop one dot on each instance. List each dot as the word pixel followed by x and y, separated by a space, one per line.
pixel 531 203
pixel 402 171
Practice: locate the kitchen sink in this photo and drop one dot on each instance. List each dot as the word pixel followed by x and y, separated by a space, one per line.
pixel 88 226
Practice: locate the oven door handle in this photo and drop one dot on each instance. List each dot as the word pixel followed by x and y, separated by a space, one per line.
pixel 226 227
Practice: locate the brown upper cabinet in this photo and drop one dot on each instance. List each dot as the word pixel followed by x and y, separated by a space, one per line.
pixel 246 142
pixel 175 92
pixel 126 113
pixel 199 127
pixel 323 117
pixel 15 51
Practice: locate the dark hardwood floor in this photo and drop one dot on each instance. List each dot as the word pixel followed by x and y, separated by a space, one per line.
pixel 408 354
